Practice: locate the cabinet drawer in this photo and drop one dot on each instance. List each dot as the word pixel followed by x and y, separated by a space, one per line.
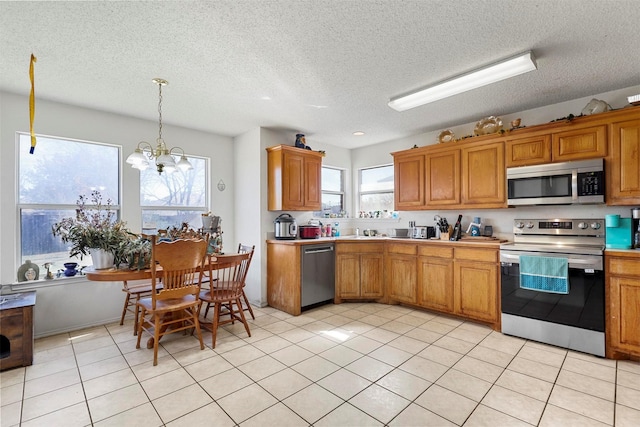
pixel 435 251
pixel 399 248
pixel 624 267
pixel 349 248
pixel 471 254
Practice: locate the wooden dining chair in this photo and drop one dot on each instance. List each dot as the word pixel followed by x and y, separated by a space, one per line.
pixel 175 307
pixel 228 273
pixel 241 250
pixel 246 306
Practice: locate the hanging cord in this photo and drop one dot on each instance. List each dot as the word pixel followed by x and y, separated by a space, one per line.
pixel 160 111
pixel 32 105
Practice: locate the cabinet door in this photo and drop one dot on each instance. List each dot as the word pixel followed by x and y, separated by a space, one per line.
pixel 348 275
pixel 476 290
pixel 435 279
pixel 624 304
pixel 371 275
pixel 313 184
pixel 402 278
pixel 483 175
pixel 532 150
pixel 409 182
pixel 443 178
pixel 293 174
pixel 585 143
pixel 624 167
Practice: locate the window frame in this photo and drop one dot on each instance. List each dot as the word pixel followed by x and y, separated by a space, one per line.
pixel 116 205
pixel 340 193
pixel 176 208
pixel 369 192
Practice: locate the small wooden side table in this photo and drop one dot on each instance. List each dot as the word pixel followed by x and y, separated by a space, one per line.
pixel 16 329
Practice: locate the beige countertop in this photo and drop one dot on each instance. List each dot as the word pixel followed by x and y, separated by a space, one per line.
pixel 465 241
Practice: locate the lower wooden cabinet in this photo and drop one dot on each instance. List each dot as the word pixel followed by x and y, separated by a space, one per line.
pixel 463 281
pixel 401 272
pixel 623 311
pixel 359 271
pixel 435 278
pixel 475 284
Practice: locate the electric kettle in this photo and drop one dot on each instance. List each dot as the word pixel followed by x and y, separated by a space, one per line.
pixel 285 227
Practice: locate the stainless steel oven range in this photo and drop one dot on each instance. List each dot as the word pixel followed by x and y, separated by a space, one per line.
pixel 552 288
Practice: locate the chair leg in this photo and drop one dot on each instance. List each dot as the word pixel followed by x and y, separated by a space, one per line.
pixel 246 300
pixel 196 323
pixel 244 319
pixel 156 337
pixel 139 329
pixel 124 310
pixel 214 327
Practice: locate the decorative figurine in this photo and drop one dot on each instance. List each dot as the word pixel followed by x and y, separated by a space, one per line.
pixel 49 275
pixel 301 142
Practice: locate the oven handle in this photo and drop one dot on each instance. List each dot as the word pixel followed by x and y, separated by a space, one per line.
pixel 594 263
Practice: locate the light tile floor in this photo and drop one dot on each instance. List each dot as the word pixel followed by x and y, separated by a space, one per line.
pixel 337 365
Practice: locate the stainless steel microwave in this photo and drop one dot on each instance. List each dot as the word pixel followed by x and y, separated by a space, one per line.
pixel 577 182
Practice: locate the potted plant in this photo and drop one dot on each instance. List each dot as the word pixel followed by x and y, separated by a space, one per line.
pixel 95 230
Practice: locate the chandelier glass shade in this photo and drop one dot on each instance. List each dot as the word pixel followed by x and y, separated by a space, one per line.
pixel 161 155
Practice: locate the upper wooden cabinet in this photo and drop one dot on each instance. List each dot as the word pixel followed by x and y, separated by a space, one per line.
pixel 409 181
pixel 623 168
pixel 483 175
pixel 579 144
pixel 294 179
pixel 547 146
pixel 530 150
pixel 456 175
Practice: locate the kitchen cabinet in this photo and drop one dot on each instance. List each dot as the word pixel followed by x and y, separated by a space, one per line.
pixel 401 271
pixel 623 304
pixel 483 175
pixel 460 280
pixel 530 150
pixel 359 271
pixel 435 277
pixel 623 167
pixel 456 176
pixel 579 144
pixel 284 285
pixel 443 178
pixel 294 179
pixel 409 181
pixel 476 284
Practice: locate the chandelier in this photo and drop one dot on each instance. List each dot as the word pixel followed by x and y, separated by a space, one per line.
pixel 161 155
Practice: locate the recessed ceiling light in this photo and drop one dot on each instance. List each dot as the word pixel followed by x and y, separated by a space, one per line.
pixel 358 133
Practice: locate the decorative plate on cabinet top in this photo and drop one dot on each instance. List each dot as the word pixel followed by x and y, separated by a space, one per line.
pixel 446 136
pixel 488 125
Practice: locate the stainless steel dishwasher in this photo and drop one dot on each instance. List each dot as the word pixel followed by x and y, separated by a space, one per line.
pixel 318 277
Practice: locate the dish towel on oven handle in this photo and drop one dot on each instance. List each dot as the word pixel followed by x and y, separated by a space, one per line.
pixel 545 274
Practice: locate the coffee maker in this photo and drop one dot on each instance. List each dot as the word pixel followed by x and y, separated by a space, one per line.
pixel 619 234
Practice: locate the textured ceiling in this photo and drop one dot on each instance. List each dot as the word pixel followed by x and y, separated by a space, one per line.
pixel 325 68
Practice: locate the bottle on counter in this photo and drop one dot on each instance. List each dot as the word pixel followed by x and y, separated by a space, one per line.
pixel 336 230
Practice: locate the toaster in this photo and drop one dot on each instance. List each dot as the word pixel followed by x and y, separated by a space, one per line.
pixel 423 232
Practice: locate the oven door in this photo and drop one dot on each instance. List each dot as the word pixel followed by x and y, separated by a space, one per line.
pixel 583 307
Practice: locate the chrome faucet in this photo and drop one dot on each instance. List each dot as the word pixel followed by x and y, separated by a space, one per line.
pixel 357 232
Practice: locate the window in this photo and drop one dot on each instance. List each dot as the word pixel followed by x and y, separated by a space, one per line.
pixel 173 198
pixel 376 189
pixel 332 191
pixel 49 184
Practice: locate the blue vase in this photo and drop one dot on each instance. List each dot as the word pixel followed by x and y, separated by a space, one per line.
pixel 70 269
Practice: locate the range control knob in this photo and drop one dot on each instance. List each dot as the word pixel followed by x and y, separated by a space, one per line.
pixel 530 225
pixel 583 225
pixel 519 224
pixel 595 225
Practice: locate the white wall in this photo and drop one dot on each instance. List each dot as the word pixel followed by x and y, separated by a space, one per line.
pixel 80 298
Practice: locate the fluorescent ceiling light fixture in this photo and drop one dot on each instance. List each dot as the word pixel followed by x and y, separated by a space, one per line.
pixel 511 67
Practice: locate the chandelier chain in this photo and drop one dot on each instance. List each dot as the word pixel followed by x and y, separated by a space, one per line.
pixel 160 112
